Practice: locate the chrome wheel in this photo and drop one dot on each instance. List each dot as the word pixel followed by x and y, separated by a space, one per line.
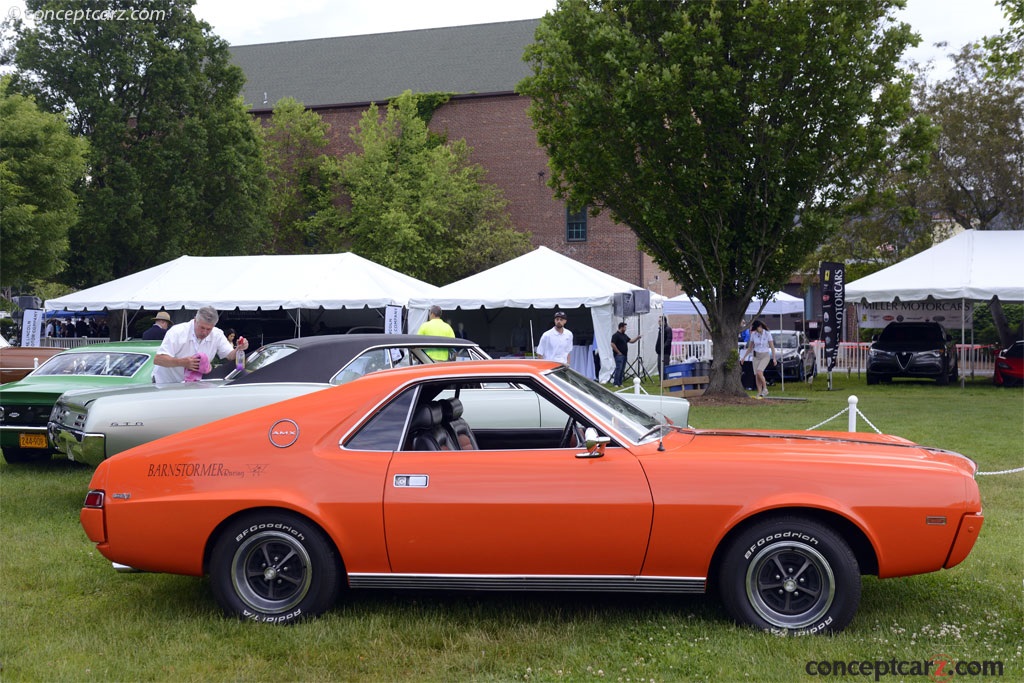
pixel 790 584
pixel 271 572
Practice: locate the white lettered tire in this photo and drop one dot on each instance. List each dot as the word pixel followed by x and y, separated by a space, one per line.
pixel 790 574
pixel 274 566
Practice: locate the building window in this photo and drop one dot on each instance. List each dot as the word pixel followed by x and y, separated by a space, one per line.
pixel 576 225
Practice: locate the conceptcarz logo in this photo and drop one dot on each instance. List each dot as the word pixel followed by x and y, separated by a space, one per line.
pixel 940 668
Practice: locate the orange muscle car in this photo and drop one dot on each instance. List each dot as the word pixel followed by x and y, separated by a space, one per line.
pixel 384 483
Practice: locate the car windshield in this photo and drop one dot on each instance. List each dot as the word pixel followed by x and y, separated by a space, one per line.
pixel 1015 351
pixel 94 363
pixel 612 408
pixel 785 340
pixel 910 333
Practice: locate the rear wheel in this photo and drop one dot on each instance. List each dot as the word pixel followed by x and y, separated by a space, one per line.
pixel 274 566
pixel 790 574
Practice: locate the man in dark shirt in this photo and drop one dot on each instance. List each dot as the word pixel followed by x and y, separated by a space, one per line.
pixel 160 324
pixel 620 350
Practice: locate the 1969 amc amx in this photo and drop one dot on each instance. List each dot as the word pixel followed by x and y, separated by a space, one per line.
pixel 384 483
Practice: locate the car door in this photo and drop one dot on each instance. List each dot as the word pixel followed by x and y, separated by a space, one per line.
pixel 541 511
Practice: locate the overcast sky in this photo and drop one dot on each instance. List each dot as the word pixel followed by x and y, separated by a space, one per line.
pixel 243 22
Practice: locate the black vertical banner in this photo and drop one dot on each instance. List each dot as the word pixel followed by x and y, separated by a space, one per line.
pixel 833 307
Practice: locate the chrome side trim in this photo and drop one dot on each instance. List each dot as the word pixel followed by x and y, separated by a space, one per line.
pixel 523 582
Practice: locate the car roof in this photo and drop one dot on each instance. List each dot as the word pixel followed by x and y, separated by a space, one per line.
pixel 482 369
pixel 319 358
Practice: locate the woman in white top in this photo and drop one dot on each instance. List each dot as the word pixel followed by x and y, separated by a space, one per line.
pixel 762 348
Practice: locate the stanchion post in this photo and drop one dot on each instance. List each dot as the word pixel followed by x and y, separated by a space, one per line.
pixel 853 414
pixel 636 385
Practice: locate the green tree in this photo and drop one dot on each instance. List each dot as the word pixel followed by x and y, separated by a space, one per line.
pixel 418 205
pixel 1007 49
pixel 977 173
pixel 304 182
pixel 726 135
pixel 174 161
pixel 40 162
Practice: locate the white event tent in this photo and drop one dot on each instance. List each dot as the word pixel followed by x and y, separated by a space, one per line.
pixel 779 304
pixel 516 298
pixel 974 265
pixel 249 283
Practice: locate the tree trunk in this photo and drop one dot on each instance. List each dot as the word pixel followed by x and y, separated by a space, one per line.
pixel 725 372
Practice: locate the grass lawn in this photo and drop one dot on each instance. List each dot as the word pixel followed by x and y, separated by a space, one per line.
pixel 67 616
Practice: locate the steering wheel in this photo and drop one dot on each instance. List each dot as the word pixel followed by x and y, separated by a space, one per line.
pixel 572 434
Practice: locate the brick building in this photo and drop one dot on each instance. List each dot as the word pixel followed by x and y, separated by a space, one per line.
pixel 480 66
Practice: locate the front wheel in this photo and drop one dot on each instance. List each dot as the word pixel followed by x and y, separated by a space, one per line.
pixel 274 566
pixel 790 575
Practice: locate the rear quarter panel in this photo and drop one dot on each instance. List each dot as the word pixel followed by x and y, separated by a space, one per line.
pixel 166 499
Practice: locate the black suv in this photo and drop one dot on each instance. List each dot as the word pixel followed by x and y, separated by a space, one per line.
pixel 923 350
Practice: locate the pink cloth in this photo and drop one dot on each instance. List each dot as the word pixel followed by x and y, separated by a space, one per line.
pixel 204 367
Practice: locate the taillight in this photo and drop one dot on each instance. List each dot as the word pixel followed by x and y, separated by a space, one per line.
pixel 93 499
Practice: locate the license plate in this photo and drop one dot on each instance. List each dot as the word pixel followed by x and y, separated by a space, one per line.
pixel 33 441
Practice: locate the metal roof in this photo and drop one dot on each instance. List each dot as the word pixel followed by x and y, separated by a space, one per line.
pixel 477 59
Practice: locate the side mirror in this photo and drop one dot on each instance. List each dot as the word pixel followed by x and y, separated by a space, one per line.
pixel 595 444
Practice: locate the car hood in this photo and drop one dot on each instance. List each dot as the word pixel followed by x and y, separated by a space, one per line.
pixel 851 447
pixel 907 346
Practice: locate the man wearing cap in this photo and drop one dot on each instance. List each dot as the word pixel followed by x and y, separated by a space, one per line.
pixel 556 343
pixel 159 328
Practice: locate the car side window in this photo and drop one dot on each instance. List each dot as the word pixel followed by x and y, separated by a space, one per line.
pixel 384 431
pixel 370 361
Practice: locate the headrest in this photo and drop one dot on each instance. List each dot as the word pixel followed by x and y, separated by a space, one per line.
pixel 452 408
pixel 426 416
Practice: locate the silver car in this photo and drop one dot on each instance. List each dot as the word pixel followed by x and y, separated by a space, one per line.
pixel 90 426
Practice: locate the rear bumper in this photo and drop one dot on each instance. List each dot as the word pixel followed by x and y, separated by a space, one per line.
pixel 77 445
pixel 966 536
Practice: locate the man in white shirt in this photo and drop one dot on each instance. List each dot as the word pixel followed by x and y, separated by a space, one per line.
pixel 181 346
pixel 556 343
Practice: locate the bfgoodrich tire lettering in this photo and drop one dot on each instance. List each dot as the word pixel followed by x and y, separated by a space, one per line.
pixel 790 574
pixel 274 567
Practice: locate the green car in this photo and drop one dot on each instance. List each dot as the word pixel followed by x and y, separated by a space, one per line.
pixel 25 405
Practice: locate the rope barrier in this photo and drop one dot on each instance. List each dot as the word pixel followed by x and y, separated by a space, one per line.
pixel 856 411
pixel 1016 469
